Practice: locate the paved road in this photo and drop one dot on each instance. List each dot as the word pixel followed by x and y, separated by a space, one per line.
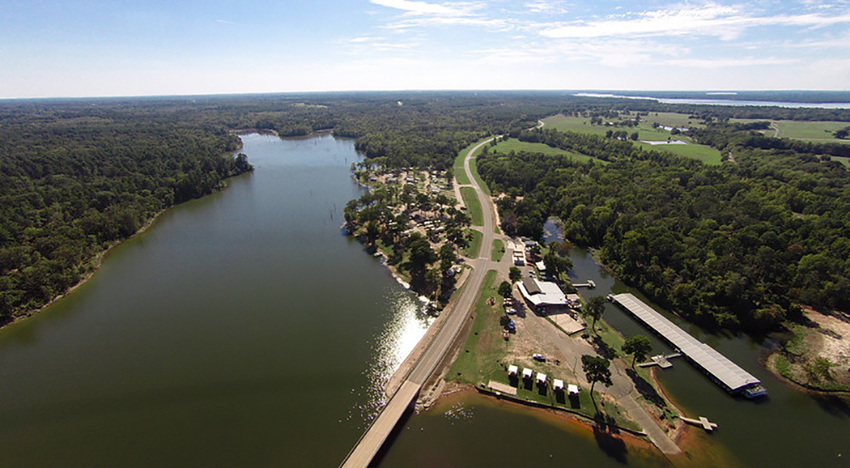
pixel 369 445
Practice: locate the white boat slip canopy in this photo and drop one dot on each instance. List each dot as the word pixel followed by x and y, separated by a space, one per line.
pixel 717 365
pixel 558 384
pixel 513 370
pixel 572 389
pixel 526 373
pixel 541 377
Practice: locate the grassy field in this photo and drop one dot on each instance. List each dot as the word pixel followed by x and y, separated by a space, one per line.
pixel 470 367
pixel 646 132
pixel 473 166
pixel 845 161
pixel 473 250
pixel 513 144
pixel 498 250
pixel 706 154
pixel 460 174
pixel 473 205
pixel 798 130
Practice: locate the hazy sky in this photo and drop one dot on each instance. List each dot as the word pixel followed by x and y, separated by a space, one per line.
pixel 149 47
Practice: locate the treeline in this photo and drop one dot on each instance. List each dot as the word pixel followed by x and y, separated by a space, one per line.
pixel 76 178
pixel 607 148
pixel 723 135
pixel 730 246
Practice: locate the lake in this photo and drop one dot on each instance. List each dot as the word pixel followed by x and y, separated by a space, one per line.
pixel 242 329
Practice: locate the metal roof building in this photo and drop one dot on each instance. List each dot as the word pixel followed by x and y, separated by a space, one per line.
pixel 542 293
pixel 718 366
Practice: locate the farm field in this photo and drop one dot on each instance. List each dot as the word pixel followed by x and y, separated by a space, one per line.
pixel 798 130
pixel 646 132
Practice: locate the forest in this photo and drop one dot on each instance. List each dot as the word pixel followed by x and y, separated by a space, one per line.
pixel 78 175
pixel 74 180
pixel 736 245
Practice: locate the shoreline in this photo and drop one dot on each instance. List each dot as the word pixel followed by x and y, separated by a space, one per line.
pixel 97 260
pixel 770 365
pixel 454 392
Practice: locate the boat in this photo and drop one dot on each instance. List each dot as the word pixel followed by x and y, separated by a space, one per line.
pixel 754 391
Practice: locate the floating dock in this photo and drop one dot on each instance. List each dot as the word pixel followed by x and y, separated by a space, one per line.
pixel 702 421
pixel 723 371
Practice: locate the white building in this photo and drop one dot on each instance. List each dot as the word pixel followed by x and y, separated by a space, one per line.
pixel 542 293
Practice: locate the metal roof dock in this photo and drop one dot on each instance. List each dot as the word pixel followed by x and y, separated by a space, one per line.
pixel 728 374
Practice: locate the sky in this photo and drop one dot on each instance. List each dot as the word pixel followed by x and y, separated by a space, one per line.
pixel 80 48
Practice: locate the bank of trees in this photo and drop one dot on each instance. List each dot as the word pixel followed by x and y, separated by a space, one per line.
pixel 74 179
pixel 732 245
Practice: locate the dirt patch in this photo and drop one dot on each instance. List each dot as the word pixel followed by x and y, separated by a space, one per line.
pixel 823 342
pixel 832 340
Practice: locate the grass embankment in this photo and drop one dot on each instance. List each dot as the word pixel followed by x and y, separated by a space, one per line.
pixel 473 250
pixel 473 205
pixel 498 250
pixel 485 354
pixel 706 154
pixel 473 166
pixel 460 174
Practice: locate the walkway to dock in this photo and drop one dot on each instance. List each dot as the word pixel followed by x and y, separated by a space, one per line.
pixel 718 366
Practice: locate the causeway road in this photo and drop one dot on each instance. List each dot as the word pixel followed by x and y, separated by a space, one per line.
pixel 372 441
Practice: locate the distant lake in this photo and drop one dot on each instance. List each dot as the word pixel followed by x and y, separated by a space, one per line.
pixel 725 102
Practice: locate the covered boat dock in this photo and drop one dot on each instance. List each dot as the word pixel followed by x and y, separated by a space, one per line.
pixel 725 372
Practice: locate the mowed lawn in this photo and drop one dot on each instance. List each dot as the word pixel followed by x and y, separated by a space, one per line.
pixel 646 132
pixel 505 147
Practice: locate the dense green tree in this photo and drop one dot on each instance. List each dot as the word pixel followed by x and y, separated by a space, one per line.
pixel 638 346
pixel 505 289
pixel 594 309
pixel 556 264
pixel 596 369
pixel 515 274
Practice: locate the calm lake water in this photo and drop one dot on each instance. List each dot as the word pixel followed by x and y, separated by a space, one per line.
pixel 244 330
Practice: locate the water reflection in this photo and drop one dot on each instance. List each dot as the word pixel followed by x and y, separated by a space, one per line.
pixel 403 330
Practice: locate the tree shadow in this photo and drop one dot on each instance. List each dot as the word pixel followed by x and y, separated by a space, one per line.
pixel 834 405
pixel 613 446
pixel 603 348
pixel 645 389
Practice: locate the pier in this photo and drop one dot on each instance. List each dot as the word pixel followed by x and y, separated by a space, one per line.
pixel 590 284
pixel 723 371
pixel 661 361
pixel 702 421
